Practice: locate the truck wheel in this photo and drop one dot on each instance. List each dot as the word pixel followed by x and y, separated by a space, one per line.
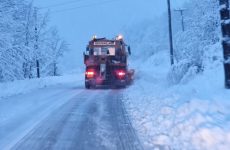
pixel 87 85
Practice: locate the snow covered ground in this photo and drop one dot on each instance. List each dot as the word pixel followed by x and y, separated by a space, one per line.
pixel 191 116
pixel 23 104
pixel 62 114
pixel 28 85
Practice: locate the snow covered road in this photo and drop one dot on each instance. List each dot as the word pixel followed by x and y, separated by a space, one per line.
pixel 66 117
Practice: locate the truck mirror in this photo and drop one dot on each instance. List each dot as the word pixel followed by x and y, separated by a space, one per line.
pixel 129 50
pixel 84 56
pixel 87 48
pixel 91 52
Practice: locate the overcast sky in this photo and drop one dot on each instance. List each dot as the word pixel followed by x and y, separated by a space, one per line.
pixel 78 21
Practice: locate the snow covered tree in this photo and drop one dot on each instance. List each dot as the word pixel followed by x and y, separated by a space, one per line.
pixel 195 50
pixel 55 48
pixel 11 47
pixel 18 39
pixel 192 47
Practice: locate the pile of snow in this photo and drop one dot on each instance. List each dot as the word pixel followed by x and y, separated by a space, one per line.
pixel 25 86
pixel 185 106
pixel 191 115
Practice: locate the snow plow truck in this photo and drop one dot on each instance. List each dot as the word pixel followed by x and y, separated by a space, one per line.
pixel 106 63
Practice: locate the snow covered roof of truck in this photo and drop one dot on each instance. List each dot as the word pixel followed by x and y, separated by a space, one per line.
pixel 98 42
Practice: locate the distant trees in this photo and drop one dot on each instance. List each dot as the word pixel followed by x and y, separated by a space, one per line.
pixel 56 47
pixel 18 52
pixel 195 50
pixel 194 47
pixel 202 30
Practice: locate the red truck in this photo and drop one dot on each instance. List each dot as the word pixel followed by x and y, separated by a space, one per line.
pixel 106 63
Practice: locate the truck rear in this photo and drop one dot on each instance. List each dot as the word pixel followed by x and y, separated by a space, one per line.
pixel 106 63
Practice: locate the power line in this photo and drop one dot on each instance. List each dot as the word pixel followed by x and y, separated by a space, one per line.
pixel 84 6
pixel 181 11
pixel 61 4
pixel 73 8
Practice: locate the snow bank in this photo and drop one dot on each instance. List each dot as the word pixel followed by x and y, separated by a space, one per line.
pixel 25 86
pixel 193 115
pixel 185 106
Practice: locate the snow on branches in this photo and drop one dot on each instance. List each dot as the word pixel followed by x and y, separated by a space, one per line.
pixel 17 42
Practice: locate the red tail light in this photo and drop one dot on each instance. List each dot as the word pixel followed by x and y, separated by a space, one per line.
pixel 120 74
pixel 90 73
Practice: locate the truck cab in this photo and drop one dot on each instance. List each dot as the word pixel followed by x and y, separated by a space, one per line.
pixel 106 63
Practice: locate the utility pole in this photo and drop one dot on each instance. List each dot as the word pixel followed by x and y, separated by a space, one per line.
pixel 225 27
pixel 36 42
pixel 170 33
pixel 181 11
